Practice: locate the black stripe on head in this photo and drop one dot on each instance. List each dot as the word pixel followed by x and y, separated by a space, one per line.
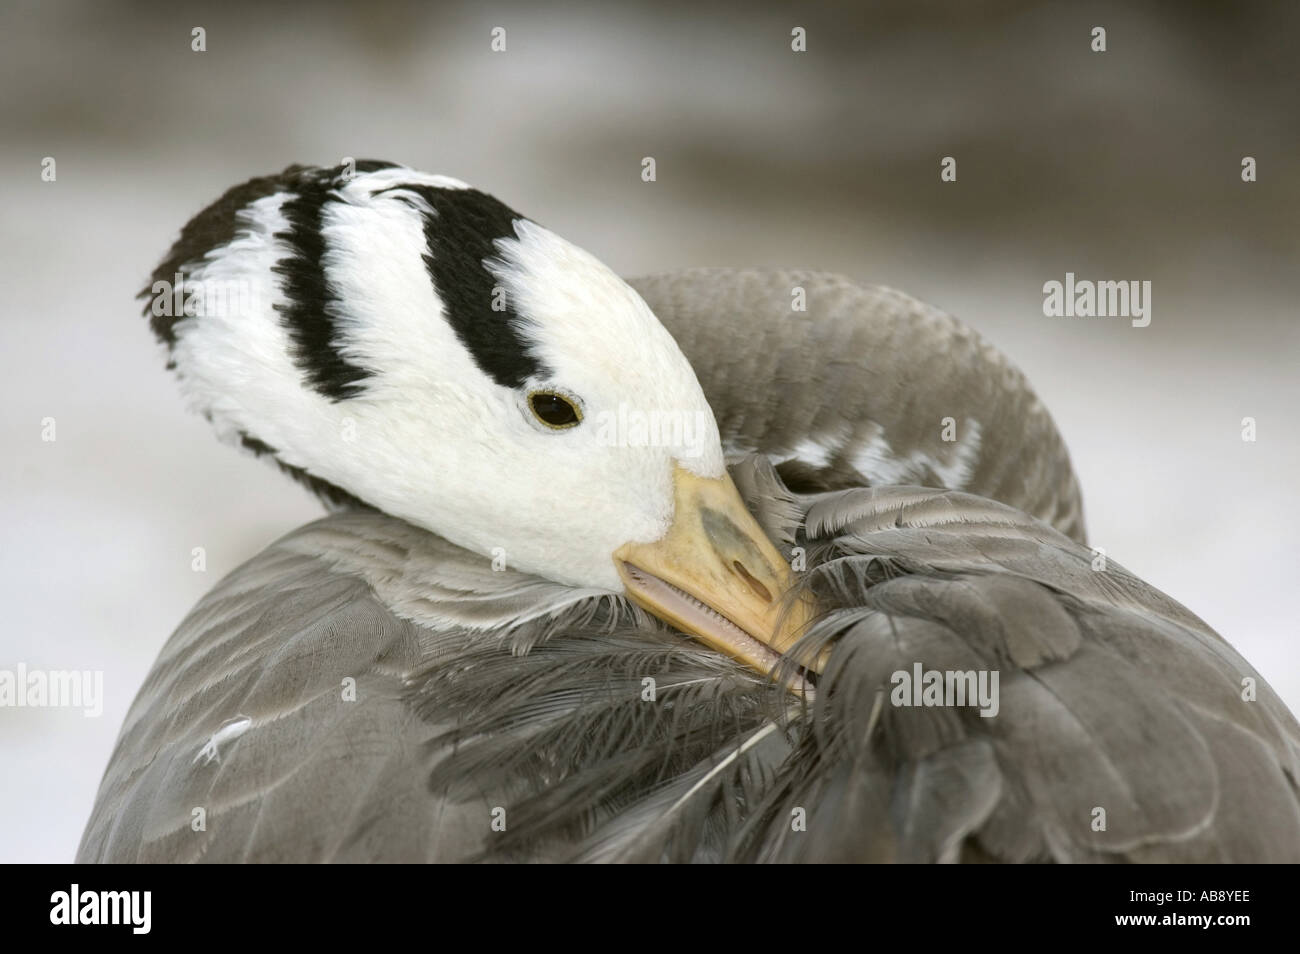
pixel 460 235
pixel 215 226
pixel 313 303
pixel 220 223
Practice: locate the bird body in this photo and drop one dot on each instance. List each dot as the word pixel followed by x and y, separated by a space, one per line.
pixel 478 691
pixel 376 686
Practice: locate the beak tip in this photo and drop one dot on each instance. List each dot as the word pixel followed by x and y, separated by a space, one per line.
pixel 717 576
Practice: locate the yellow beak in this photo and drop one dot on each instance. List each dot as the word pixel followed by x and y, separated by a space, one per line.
pixel 716 576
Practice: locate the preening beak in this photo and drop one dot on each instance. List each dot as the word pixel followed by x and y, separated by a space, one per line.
pixel 716 576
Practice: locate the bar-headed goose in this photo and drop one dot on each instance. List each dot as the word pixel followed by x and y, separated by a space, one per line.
pixel 904 650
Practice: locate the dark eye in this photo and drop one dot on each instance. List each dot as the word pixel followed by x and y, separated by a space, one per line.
pixel 554 410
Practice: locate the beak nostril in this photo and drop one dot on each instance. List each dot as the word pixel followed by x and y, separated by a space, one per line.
pixel 754 584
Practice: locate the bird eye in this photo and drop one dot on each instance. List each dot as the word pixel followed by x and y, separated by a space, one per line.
pixel 554 410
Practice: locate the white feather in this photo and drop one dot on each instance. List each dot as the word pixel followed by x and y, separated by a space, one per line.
pixel 430 435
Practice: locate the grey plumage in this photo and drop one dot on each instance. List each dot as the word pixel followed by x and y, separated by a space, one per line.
pixel 477 690
pixel 1113 696
pixel 870 374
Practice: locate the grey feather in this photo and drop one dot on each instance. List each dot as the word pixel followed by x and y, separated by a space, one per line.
pixel 867 374
pixel 478 691
pixel 1112 696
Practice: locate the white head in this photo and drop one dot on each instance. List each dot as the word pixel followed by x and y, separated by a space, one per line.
pixel 412 342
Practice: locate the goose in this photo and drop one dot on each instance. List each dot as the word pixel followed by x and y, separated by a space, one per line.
pixel 666 570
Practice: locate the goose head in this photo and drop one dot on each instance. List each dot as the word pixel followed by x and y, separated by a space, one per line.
pixel 411 342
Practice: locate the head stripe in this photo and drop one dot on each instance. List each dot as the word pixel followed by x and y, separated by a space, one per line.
pixel 461 227
pixel 310 312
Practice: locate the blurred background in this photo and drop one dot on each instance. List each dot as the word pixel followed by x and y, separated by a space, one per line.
pixel 1117 165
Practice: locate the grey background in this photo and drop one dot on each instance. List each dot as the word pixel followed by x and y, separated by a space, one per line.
pixel 1122 165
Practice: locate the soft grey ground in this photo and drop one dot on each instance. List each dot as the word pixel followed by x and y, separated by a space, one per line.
pixel 1122 165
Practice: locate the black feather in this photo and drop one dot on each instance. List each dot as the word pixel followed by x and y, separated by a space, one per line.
pixel 311 312
pixel 461 235
pixel 217 225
